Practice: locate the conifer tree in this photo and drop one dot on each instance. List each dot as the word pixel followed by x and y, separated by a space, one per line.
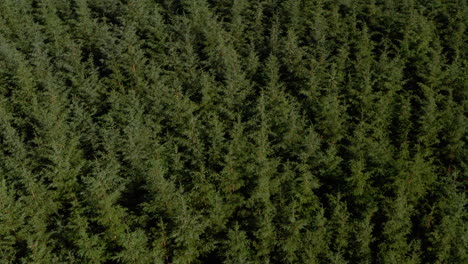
pixel 200 131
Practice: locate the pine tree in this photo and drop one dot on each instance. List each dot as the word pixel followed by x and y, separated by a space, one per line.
pixel 233 131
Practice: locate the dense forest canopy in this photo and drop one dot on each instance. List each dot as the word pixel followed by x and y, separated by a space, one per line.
pixel 195 131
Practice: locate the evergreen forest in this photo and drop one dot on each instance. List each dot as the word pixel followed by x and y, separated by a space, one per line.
pixel 233 131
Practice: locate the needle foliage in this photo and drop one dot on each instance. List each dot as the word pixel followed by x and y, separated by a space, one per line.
pixel 197 131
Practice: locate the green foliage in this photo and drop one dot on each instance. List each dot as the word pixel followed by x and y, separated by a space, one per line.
pixel 295 131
